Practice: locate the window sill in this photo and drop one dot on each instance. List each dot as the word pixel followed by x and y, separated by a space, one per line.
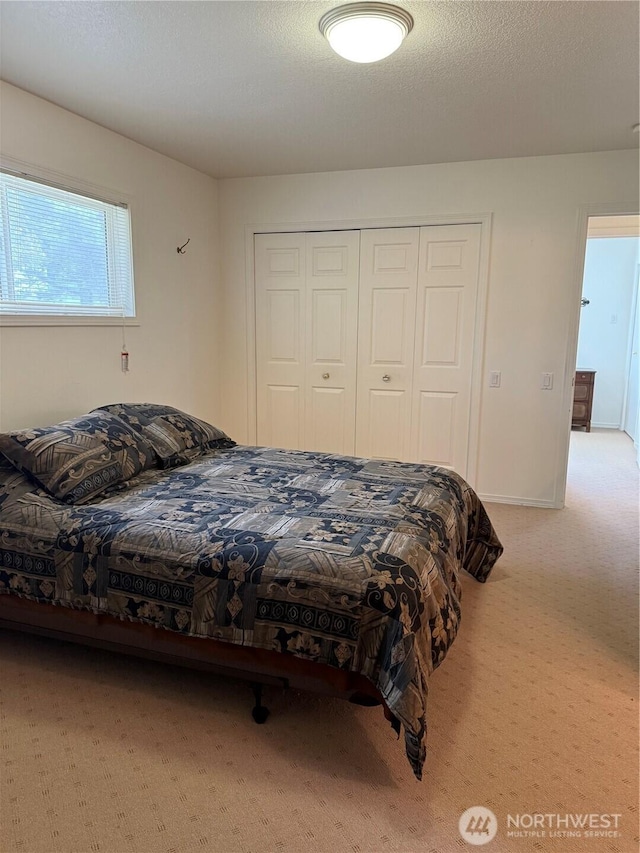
pixel 61 320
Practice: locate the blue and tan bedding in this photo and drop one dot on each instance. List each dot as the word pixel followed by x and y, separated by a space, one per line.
pixel 349 562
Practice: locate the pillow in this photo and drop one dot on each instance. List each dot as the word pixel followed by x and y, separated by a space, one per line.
pixel 176 437
pixel 79 459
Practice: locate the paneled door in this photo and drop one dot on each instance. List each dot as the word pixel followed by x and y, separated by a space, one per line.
pixel 331 335
pixel 445 322
pixel 306 339
pixel 280 270
pixel 388 282
pixel 365 341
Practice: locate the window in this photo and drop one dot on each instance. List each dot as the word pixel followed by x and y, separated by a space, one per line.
pixel 62 254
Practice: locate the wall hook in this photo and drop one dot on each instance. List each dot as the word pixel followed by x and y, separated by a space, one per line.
pixel 180 250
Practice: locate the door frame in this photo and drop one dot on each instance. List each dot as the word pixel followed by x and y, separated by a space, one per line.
pixel 627 378
pixel 571 350
pixel 477 369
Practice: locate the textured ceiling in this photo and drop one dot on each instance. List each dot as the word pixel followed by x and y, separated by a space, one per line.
pixel 251 88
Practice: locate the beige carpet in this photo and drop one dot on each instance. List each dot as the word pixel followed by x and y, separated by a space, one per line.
pixel 534 711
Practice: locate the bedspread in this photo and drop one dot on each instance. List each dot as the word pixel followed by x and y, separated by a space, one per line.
pixel 350 562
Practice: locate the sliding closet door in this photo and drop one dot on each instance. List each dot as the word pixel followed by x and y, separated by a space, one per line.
pixel 331 335
pixel 306 340
pixel 280 270
pixel 365 341
pixel 388 280
pixel 445 322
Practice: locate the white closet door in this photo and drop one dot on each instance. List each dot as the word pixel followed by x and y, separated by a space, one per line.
pixel 331 334
pixel 280 270
pixel 388 282
pixel 445 322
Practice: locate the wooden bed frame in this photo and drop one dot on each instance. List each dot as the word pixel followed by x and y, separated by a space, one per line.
pixel 259 666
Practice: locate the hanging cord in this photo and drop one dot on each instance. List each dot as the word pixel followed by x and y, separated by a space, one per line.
pixel 124 352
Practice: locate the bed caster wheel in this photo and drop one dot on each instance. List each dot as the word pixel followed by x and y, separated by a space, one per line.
pixel 260 714
pixel 259 711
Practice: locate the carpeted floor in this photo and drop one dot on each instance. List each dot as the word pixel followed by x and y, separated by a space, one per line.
pixel 534 711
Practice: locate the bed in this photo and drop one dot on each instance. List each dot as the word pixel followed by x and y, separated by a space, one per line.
pixel 141 528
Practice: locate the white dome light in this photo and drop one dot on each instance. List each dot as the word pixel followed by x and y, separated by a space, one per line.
pixel 366 32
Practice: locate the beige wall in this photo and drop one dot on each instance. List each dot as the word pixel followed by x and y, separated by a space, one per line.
pixel 190 349
pixel 49 373
pixel 531 309
pixel 614 226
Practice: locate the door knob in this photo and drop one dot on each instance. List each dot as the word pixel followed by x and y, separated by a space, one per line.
pixel 325 375
pixel 386 377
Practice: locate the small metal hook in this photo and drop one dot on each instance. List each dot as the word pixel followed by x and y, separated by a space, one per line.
pixel 584 301
pixel 180 250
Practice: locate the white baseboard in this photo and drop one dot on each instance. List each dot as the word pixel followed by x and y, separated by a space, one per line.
pixel 516 501
pixel 605 426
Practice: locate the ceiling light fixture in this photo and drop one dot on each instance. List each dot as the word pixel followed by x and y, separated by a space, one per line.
pixel 366 32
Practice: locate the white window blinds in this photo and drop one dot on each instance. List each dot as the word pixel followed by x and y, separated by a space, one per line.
pixel 62 253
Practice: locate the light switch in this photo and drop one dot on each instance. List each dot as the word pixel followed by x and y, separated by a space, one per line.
pixel 547 381
pixel 495 378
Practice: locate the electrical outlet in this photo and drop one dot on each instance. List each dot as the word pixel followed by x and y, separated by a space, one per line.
pixel 495 377
pixel 547 381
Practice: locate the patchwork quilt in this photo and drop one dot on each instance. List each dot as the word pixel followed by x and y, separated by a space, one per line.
pixel 351 562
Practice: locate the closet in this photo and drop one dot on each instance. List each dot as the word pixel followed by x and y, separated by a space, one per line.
pixel 365 341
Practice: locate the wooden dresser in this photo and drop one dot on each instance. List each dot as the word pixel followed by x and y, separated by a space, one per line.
pixel 583 398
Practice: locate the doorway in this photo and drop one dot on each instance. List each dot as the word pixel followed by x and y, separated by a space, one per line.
pixel 606 394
